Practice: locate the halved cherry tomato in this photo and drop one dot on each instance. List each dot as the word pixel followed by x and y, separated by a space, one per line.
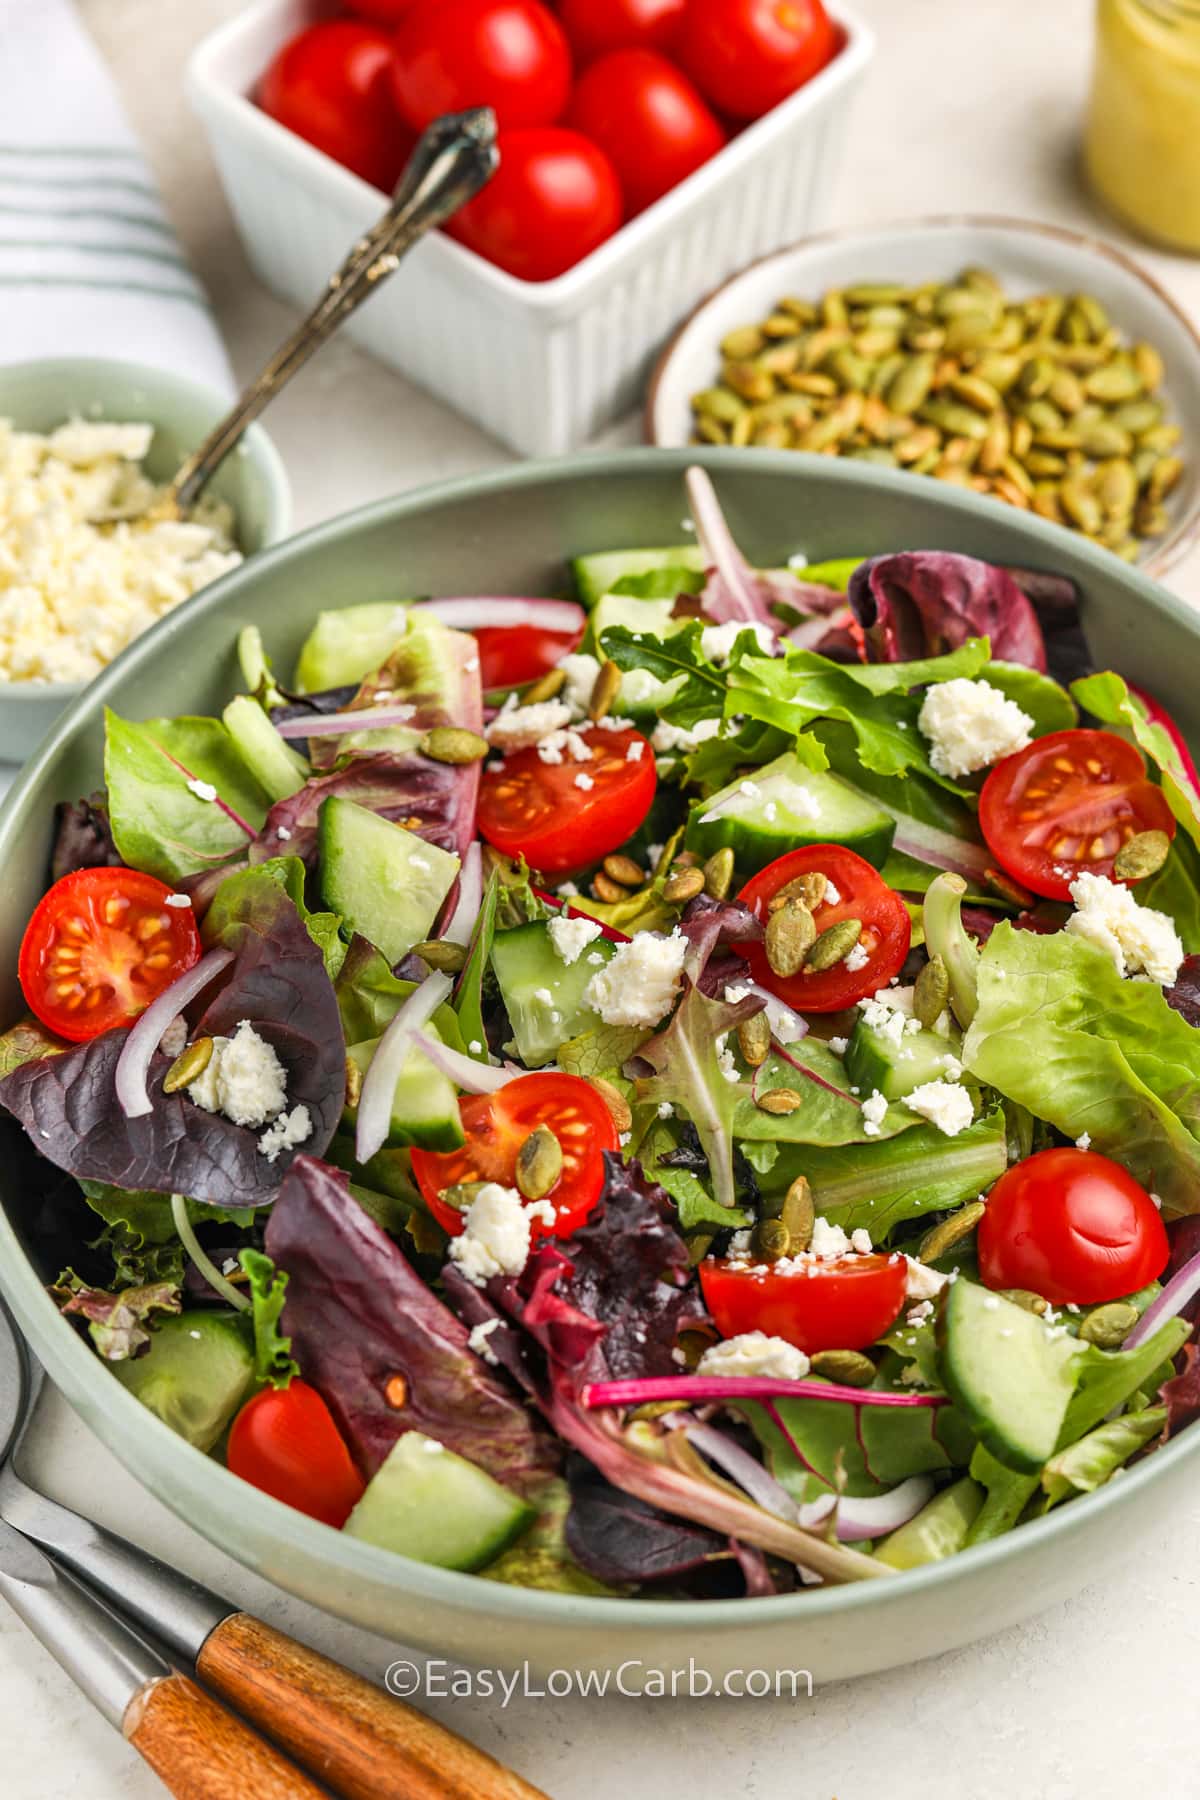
pixel 648 118
pixel 511 55
pixel 748 55
pixel 101 945
pixel 838 1303
pixel 885 937
pixel 1066 804
pixel 1073 1226
pixel 331 85
pixel 510 655
pixel 497 1125
pixel 561 816
pixel 595 27
pixel 285 1442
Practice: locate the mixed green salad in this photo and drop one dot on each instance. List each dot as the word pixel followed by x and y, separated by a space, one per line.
pixel 691 1089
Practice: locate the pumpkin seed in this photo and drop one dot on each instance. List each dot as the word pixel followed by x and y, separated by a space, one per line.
pixel 1027 1301
pixel 354 1082
pixel 709 432
pixel 789 937
pixel 461 1194
pixel 770 1240
pixel 1110 1325
pixel 748 380
pixel 833 944
pixel 605 888
pixel 850 1368
pixel 931 992
pixel 1116 380
pixel 623 869
pixel 911 385
pixel 949 415
pixel 744 342
pixel 539 1163
pixel 799 1214
pixel 718 403
pixel 1163 477
pixel 189 1065
pixel 718 873
pixel 441 954
pixel 1137 416
pixel 684 886
pixel 1149 365
pixel 604 690
pixel 780 1100
pixel 1116 486
pixel 754 1039
pixel 1141 855
pixel 614 1099
pixel 550 684
pixel 452 744
pixel 944 1236
pixel 1104 439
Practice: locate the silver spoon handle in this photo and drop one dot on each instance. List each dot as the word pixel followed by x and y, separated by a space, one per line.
pixel 453 159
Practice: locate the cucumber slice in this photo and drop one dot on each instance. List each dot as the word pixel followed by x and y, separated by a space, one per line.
pixel 195 1375
pixel 428 1503
pixel 789 804
pixel 875 1061
pixel 277 768
pixel 425 1103
pixel 384 881
pixel 1008 1376
pixel 937 1531
pixel 542 994
pixel 597 575
pixel 345 645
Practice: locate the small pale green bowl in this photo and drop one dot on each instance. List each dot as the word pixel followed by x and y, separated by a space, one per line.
pixel 511 532
pixel 37 396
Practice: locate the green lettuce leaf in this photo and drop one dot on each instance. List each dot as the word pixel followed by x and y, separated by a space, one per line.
pixel 694 1204
pixel 26 1041
pixel 660 584
pixel 1106 1378
pixel 1092 1460
pixel 1108 698
pixel 273 1360
pixel 825 1116
pixel 468 992
pixel 158 823
pixel 1060 1031
pixel 369 997
pixel 1039 696
pixel 602 1051
pixel 1007 1492
pixel 814 1445
pixel 238 890
pixel 701 693
pixel 147 1215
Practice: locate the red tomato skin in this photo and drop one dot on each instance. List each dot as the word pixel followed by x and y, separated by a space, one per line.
pixel 284 1442
pixel 746 56
pixel 510 655
pixel 331 85
pixel 511 55
pixel 497 1124
pixel 1138 806
pixel 596 27
pixel 887 928
pixel 536 810
pixel 1073 1226
pixel 382 12
pixel 554 199
pixel 79 895
pixel 648 119
pixel 840 1305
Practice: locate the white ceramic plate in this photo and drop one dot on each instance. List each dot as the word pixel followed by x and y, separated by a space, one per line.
pixel 1028 258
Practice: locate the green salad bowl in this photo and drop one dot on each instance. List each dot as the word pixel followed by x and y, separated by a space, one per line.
pixel 511 531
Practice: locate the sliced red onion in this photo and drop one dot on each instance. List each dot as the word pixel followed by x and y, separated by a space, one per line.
pixel 869 1518
pixel 720 550
pixel 391 1054
pixel 744 1468
pixel 647 1389
pixel 361 718
pixel 133 1064
pixel 940 848
pixel 504 609
pixel 810 632
pixel 466 1072
pixel 470 897
pixel 1183 1284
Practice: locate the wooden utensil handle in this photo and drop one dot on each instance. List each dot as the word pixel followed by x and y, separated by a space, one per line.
pixel 351 1734
pixel 202 1752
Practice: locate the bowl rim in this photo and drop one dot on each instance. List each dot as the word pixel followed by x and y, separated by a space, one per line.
pixel 92 1390
pixel 256 444
pixel 1165 554
pixel 575 285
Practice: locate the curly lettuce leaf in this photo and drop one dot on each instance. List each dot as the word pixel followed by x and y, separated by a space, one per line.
pixel 159 823
pixel 119 1324
pixel 1059 1031
pixel 267 1287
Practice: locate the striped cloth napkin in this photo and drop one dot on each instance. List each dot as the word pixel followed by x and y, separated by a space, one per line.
pixel 89 265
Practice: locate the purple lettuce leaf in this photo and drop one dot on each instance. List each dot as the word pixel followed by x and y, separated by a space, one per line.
pixel 386 1355
pixel 436 800
pixel 1181 1394
pixel 732 589
pixel 277 981
pixel 118 1323
pixel 83 837
pixel 714 925
pixel 620 1538
pixel 1184 993
pixel 925 602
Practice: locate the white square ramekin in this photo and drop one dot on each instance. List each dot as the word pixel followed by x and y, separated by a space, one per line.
pixel 541 365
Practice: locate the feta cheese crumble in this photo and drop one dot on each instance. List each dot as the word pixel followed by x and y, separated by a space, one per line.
pixel 874 1111
pixel 639 985
pixel 478 1340
pixel 519 727
pixel 827 1240
pixel 921 1282
pixel 580 671
pixel 583 780
pixel 244 1079
pixel 970 725
pixel 570 937
pixel 203 790
pixel 668 739
pixel 945 1104
pixel 754 1353
pixel 286 1132
pixel 1140 940
pixel 857 957
pixel 495 1238
pixel 79 581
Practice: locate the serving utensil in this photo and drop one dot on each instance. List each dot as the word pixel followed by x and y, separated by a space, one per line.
pixel 359 1741
pixel 453 159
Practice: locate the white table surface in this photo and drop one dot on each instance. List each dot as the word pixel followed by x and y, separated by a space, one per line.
pixel 971 103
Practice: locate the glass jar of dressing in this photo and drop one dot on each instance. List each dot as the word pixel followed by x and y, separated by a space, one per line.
pixel 1142 140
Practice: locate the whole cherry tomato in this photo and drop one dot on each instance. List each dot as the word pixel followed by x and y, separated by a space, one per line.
pixel 511 55
pixel 553 200
pixel 648 118
pixel 285 1442
pixel 595 27
pixel 382 12
pixel 331 85
pixel 746 56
